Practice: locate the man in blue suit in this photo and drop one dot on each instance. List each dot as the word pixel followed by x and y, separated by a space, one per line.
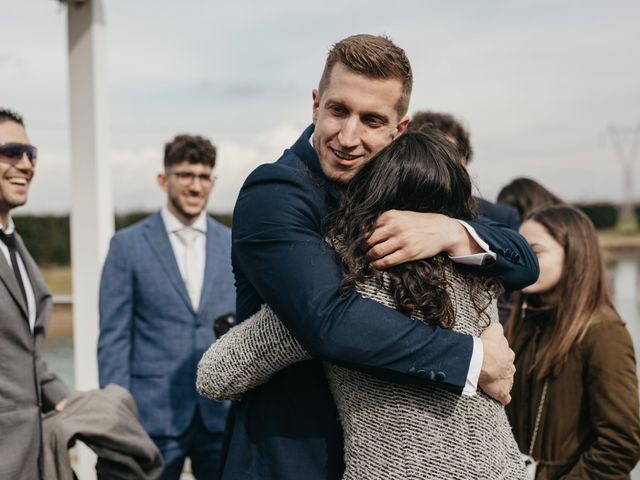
pixel 287 428
pixel 165 280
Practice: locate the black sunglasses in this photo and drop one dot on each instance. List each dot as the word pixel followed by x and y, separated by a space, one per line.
pixel 15 151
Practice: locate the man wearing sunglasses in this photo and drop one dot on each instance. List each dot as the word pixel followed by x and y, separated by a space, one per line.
pixel 27 388
pixel 164 282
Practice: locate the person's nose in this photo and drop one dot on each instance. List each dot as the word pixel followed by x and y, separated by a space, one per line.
pixel 196 185
pixel 349 135
pixel 24 164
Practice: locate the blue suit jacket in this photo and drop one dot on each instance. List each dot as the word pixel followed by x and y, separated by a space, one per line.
pixel 498 212
pixel 151 339
pixel 288 427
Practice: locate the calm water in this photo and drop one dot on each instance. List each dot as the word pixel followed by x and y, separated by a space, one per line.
pixel 58 353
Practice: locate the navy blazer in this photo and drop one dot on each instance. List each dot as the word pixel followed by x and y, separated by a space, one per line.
pixel 151 339
pixel 288 428
pixel 498 212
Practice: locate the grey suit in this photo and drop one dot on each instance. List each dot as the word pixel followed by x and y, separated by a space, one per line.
pixel 107 421
pixel 26 387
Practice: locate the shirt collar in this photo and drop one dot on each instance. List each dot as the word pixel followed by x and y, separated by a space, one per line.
pixel 10 227
pixel 172 224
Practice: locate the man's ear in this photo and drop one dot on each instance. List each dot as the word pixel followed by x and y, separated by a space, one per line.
pixel 162 180
pixel 402 126
pixel 316 104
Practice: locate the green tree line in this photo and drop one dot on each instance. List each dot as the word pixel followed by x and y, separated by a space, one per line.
pixel 47 236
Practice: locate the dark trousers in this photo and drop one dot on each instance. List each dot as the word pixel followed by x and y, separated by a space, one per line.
pixel 201 446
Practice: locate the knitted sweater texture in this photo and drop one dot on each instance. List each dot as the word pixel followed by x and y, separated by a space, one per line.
pixel 391 431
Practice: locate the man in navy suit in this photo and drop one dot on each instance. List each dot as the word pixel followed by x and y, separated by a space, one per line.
pixel 287 428
pixel 459 136
pixel 165 280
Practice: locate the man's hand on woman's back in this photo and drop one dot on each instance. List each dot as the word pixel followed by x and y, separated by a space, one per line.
pixel 496 375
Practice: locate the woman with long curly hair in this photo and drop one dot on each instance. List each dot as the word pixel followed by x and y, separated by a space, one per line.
pixel 391 431
pixel 574 402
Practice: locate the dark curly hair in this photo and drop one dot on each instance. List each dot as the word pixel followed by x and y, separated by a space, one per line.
pixel 416 172
pixel 448 125
pixel 190 148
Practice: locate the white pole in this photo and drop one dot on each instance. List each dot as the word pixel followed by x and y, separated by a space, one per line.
pixel 92 209
pixel 625 281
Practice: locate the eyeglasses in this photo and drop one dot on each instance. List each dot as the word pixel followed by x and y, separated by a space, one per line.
pixel 187 178
pixel 15 151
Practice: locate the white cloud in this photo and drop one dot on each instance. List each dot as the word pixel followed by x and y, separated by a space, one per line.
pixel 537 83
pixel 237 161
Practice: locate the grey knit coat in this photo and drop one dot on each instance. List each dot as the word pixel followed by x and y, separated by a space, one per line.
pixel 390 431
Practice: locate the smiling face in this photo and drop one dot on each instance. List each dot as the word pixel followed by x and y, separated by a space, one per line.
pixel 355 117
pixel 550 256
pixel 15 173
pixel 187 195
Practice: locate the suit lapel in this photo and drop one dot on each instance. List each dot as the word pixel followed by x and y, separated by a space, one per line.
pixel 156 234
pixel 9 279
pixel 212 263
pixel 40 290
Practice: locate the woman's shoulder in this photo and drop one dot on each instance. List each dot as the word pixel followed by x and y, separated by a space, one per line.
pixel 604 320
pixel 607 337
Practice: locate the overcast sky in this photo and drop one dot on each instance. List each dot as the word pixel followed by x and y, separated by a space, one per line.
pixel 537 83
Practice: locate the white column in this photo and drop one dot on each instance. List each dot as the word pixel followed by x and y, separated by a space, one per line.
pixel 92 209
pixel 625 281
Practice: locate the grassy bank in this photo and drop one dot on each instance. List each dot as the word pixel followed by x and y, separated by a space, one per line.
pixel 615 245
pixel 59 278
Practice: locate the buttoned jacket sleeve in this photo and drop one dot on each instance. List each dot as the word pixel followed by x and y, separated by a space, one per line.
pixel 515 265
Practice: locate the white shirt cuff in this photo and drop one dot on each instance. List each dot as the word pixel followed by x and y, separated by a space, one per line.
pixel 471 385
pixel 477 258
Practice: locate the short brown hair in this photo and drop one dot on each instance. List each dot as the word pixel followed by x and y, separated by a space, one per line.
pixel 189 148
pixel 448 125
pixel 373 56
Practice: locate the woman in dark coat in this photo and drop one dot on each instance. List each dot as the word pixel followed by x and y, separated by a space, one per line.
pixel 576 374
